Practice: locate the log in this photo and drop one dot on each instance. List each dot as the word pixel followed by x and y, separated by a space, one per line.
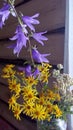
pixel 5 125
pixel 4 93
pixel 16 2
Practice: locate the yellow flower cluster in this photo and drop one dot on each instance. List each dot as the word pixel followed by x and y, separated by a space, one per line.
pixel 27 99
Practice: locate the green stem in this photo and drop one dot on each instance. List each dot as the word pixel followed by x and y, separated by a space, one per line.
pixel 30 50
pixel 17 16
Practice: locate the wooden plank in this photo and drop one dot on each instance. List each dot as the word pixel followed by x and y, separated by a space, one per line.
pixel 16 2
pixel 8 115
pixel 54 45
pixel 52 15
pixel 4 93
pixel 5 125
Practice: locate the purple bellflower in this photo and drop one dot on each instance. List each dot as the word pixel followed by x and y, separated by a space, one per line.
pixel 4 14
pixel 39 37
pixel 29 21
pixel 21 40
pixel 39 58
pixel 28 71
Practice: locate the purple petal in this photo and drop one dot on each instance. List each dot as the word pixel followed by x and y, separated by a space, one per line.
pixel 4 14
pixel 12 46
pixel 14 37
pixel 21 69
pixel 34 21
pixel 36 73
pixel 17 49
pixel 36 55
pixel 31 26
pixel 28 70
pixel 45 55
pixel 36 15
pixel 44 59
pixel 1 23
pixel 5 7
pixel 18 29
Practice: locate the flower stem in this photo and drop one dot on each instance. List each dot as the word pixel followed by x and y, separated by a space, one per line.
pixel 17 15
pixel 30 50
pixel 21 23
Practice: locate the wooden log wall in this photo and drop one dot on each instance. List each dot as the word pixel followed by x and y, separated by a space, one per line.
pixel 52 19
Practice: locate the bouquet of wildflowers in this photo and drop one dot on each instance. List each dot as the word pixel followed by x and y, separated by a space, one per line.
pixel 32 95
pixel 29 84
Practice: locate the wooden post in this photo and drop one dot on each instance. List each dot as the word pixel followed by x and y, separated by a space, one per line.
pixel 68 48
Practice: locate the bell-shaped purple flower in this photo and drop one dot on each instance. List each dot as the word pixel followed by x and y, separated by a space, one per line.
pixel 21 40
pixel 29 71
pixel 4 14
pixel 26 69
pixel 29 21
pixel 39 37
pixel 39 58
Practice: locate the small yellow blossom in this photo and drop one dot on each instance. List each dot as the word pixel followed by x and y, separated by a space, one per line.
pixel 44 78
pixel 8 74
pixel 50 95
pixel 57 97
pixel 12 101
pixel 31 80
pixel 28 108
pixel 49 107
pixel 14 86
pixel 29 93
pixel 41 101
pixel 8 71
pixel 57 111
pixel 44 67
pixel 39 112
pixel 17 111
pixel 8 67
